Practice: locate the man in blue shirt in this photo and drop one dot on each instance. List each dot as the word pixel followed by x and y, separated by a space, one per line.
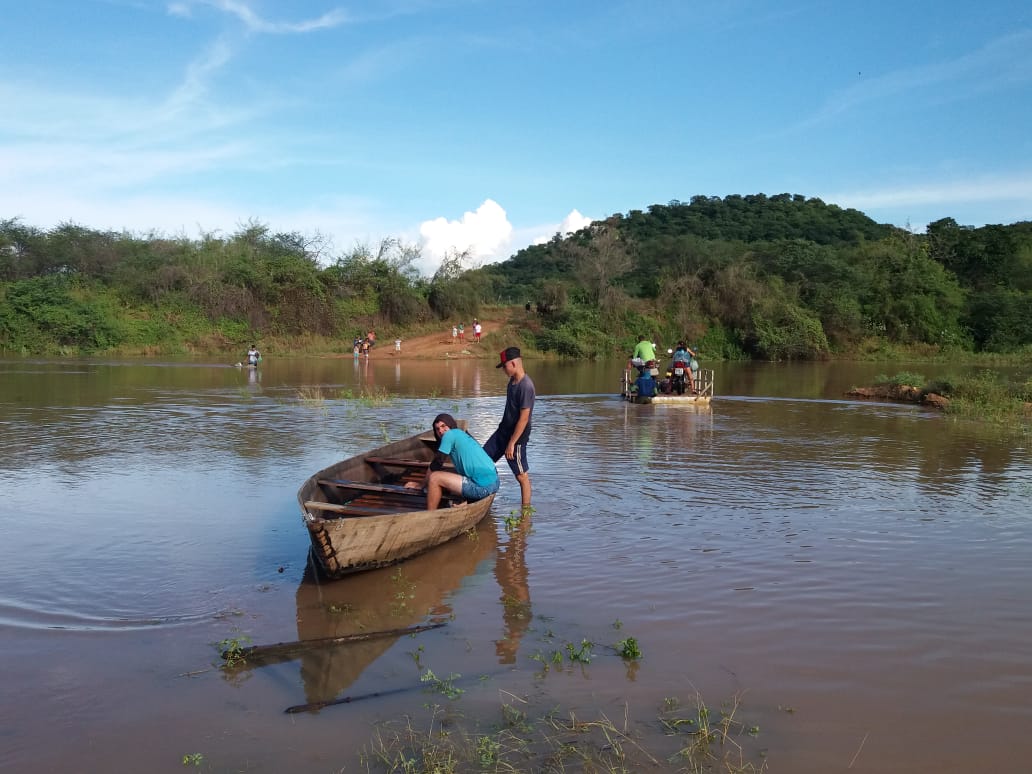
pixel 686 355
pixel 475 477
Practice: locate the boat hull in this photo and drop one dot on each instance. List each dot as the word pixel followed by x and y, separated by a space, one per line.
pixel 353 529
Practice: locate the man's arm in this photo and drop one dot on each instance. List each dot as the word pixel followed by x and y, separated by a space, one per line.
pixel 521 425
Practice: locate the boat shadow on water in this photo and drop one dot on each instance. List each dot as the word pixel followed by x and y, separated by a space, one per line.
pixel 389 599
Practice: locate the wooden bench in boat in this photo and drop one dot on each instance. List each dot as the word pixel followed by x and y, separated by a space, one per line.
pixel 368 486
pixel 398 463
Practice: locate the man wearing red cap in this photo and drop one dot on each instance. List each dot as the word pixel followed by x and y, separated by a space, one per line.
pixel 513 431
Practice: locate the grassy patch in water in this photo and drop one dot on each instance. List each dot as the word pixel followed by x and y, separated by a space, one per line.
pixel 983 395
pixel 369 396
pixel 444 741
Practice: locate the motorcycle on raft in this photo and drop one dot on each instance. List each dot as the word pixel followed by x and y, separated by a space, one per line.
pixel 679 378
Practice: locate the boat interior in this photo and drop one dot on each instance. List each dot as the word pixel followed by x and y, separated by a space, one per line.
pixel 385 495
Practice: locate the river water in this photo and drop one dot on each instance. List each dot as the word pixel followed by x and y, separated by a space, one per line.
pixel 857 574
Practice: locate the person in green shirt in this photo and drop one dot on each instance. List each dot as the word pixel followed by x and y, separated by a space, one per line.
pixel 643 353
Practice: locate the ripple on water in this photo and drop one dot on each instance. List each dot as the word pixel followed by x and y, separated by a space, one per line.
pixel 824 554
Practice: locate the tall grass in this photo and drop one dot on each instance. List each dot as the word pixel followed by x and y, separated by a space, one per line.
pixel 981 395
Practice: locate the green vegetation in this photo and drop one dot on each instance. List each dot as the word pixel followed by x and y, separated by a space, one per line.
pixel 983 395
pixel 987 396
pixel 767 277
pixel 233 650
pixel 902 379
pixel 629 649
pixel 696 740
pixel 444 686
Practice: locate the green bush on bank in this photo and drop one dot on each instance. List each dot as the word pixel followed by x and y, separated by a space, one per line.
pixel 981 394
pixel 52 315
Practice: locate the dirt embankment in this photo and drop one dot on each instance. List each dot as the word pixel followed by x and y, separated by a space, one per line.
pixel 900 392
pixel 440 346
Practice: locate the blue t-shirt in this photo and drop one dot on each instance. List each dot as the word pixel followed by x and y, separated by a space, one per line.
pixel 470 460
pixel 518 396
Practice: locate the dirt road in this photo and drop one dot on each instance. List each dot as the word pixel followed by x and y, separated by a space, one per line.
pixel 439 346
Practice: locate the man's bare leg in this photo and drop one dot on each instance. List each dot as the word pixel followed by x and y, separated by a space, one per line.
pixel 524 479
pixel 437 484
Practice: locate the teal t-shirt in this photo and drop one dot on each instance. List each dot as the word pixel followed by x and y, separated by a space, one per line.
pixel 470 459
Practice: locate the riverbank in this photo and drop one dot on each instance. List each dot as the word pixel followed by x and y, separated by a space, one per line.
pixel 984 395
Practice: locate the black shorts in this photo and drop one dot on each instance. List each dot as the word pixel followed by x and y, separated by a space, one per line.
pixel 495 448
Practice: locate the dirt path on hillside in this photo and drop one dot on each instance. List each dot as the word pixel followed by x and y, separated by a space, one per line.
pixel 439 346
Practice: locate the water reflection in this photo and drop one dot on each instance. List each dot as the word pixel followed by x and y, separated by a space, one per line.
pixel 514 581
pixel 380 600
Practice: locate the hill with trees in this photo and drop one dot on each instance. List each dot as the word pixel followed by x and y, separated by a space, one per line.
pixel 771 277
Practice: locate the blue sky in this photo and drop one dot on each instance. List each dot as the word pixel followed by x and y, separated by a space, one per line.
pixel 487 125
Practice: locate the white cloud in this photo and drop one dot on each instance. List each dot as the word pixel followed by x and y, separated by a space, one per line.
pixel 571 224
pixel 486 234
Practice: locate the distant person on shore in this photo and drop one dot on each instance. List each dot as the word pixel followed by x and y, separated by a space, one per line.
pixel 513 433
pixel 462 333
pixel 254 357
pixel 397 344
pixel 368 342
pixel 475 475
pixel 477 330
pixel 454 333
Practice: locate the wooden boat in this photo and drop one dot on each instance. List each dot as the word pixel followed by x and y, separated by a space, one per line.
pixel 359 515
pixel 702 396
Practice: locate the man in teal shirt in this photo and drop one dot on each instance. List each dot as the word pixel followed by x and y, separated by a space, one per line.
pixel 476 476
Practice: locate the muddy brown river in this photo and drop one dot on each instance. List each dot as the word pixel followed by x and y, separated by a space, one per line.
pixel 858 575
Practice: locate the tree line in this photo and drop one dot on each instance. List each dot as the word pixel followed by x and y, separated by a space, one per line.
pixel 73 289
pixel 778 277
pixel 771 277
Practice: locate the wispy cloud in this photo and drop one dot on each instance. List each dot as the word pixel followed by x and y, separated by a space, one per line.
pixel 982 189
pixel 1001 64
pixel 253 22
pixel 195 83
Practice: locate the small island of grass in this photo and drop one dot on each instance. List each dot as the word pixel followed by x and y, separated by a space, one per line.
pixel 984 395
